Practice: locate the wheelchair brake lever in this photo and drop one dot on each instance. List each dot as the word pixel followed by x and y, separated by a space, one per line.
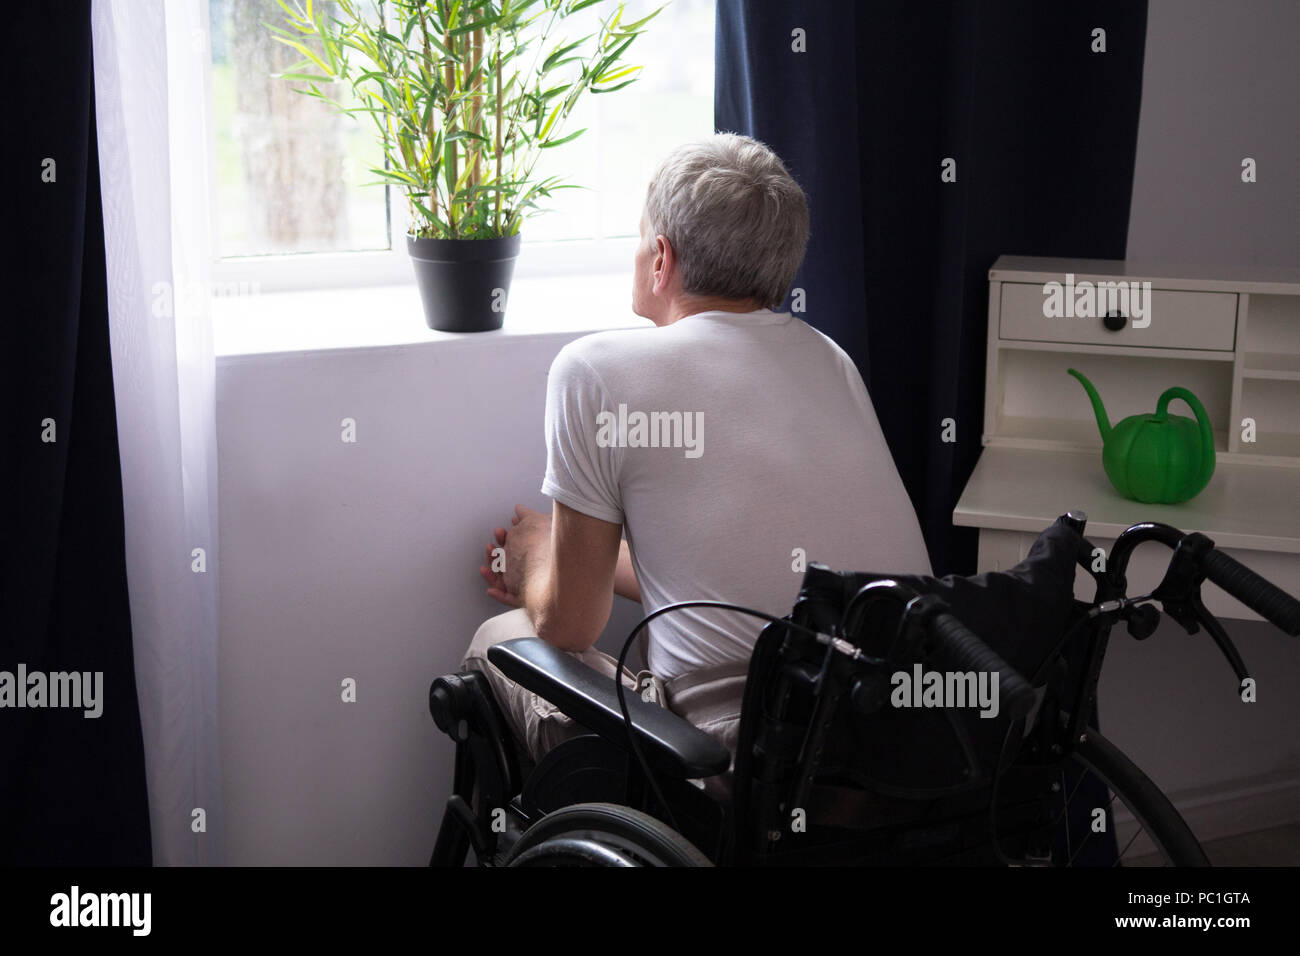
pixel 1216 631
pixel 1179 591
pixel 1184 612
pixel 1185 606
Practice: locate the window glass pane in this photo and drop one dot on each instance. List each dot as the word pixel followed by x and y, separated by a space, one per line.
pixel 630 131
pixel 289 170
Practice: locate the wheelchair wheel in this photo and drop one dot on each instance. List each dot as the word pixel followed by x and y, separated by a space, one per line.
pixel 1169 837
pixel 603 834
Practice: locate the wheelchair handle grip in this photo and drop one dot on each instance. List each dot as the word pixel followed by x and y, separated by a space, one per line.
pixel 1264 598
pixel 956 647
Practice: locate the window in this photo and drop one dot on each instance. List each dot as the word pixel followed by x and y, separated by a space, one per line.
pixel 291 204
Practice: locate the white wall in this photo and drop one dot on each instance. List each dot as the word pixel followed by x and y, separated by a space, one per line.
pixel 360 560
pixel 1221 81
pixel 1171 704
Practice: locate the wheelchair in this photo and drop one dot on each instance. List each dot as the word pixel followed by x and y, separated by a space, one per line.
pixel 840 760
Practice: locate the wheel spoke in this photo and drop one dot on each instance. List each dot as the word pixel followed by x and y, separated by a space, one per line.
pixel 1139 832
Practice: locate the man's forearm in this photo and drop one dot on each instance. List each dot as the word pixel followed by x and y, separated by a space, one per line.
pixel 536 581
pixel 625 582
pixel 536 590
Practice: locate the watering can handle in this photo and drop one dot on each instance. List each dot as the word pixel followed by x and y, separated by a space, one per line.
pixel 1202 419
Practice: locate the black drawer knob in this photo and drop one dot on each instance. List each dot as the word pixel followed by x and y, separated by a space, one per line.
pixel 1114 321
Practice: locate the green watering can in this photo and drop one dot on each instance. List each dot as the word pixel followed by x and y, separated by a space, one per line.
pixel 1156 458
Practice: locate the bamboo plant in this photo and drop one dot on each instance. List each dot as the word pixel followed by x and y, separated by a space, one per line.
pixel 464 94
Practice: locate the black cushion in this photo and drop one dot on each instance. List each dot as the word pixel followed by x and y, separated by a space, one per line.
pixel 671 745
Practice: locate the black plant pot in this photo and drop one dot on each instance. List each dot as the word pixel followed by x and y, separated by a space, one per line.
pixel 464 282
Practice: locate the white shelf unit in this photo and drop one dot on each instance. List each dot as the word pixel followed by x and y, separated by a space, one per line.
pixel 1229 335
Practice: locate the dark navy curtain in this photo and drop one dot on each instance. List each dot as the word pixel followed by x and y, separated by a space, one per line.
pixel 72 787
pixel 1042 131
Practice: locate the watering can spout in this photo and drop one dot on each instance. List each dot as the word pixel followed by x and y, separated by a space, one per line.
pixel 1103 420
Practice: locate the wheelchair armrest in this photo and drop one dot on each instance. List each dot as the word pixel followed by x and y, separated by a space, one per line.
pixel 671 745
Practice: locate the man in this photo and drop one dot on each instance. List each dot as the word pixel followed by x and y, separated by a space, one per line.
pixel 730 442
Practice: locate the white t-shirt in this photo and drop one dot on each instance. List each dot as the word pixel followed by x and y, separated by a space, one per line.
pixel 776 452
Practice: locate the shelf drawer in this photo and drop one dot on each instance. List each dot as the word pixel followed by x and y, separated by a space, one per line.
pixel 1179 320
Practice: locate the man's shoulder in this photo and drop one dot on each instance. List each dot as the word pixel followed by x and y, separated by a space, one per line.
pixel 834 347
pixel 606 353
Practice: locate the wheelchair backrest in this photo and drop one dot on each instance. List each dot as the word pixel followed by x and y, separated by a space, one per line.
pixel 899 750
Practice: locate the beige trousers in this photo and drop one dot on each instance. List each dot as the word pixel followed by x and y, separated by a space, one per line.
pixel 710 699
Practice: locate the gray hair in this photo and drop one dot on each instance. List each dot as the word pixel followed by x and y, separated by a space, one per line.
pixel 734 215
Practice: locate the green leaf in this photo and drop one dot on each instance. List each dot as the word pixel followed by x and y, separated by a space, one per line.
pixel 550 121
pixel 562 140
pixel 611 89
pixel 471 27
pixel 305 51
pixel 396 175
pixel 550 61
pixel 304 77
pixel 569 59
pixel 618 15
pixel 463 177
pixel 448 156
pixel 294 15
pixel 285 33
pixel 469 134
pixel 428 214
pixel 406 32
pixel 618 51
pixel 427 117
pixel 629 27
pixel 614 76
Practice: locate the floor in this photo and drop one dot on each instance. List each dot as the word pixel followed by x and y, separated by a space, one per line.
pixel 1278 846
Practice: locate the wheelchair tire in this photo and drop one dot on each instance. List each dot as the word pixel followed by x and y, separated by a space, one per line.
pixel 1150 807
pixel 603 834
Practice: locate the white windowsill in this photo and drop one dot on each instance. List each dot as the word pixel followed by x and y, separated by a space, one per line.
pixel 391 315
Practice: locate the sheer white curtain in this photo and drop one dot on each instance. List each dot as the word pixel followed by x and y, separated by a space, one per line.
pixel 153 124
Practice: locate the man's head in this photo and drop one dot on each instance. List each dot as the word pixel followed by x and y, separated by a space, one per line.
pixel 724 227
